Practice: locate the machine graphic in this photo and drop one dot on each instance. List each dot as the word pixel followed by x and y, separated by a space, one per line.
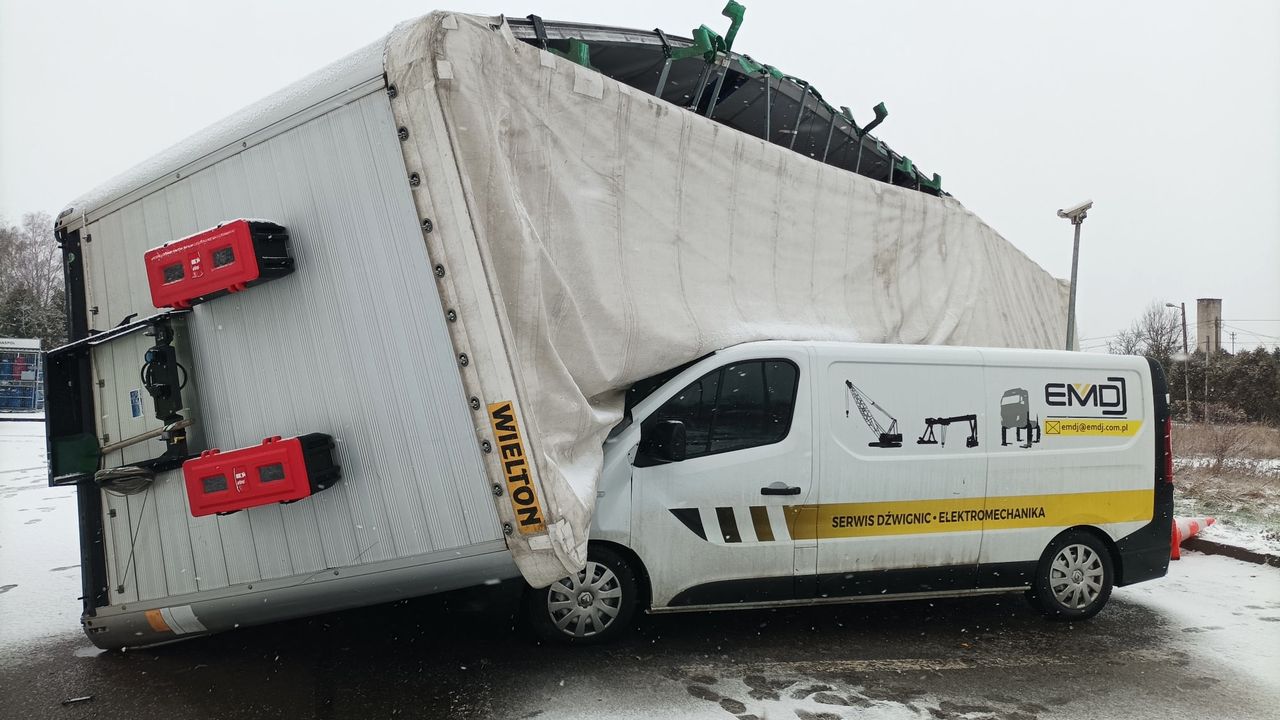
pixel 890 439
pixel 927 437
pixel 1015 414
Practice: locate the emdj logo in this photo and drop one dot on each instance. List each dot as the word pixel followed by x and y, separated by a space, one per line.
pixel 1108 396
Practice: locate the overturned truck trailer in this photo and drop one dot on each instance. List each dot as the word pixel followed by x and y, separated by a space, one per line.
pixel 364 340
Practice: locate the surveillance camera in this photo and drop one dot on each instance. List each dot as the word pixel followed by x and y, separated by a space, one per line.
pixel 1076 213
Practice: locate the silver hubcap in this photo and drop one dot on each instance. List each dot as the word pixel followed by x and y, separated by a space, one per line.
pixel 1076 576
pixel 585 604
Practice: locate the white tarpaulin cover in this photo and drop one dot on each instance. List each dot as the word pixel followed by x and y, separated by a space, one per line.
pixel 597 235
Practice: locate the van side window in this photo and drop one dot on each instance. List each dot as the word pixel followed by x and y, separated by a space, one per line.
pixel 694 406
pixel 735 407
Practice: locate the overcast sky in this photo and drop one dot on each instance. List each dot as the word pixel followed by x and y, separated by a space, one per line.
pixel 1165 113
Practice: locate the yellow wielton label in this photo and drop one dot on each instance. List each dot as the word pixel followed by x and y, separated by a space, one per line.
pixel 515 467
pixel 912 517
pixel 1091 426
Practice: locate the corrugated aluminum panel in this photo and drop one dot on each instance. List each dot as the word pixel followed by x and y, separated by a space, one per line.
pixel 279 112
pixel 352 344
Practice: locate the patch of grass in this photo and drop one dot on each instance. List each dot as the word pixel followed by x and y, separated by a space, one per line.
pixel 1244 491
pixel 1198 439
pixel 1241 494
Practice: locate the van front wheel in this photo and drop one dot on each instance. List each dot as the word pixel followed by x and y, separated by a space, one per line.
pixel 593 606
pixel 1074 578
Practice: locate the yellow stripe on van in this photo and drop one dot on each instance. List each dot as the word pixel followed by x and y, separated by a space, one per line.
pixel 911 517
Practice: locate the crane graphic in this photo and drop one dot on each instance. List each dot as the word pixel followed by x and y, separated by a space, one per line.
pixel 927 437
pixel 890 439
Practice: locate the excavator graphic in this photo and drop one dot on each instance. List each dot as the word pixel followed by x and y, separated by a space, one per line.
pixel 1015 414
pixel 890 439
pixel 927 437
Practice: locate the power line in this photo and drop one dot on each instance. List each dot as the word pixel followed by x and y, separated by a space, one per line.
pixel 1251 332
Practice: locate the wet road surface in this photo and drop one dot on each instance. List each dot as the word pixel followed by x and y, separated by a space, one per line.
pixel 1200 643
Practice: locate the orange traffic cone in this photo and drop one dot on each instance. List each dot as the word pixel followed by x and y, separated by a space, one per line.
pixel 1184 528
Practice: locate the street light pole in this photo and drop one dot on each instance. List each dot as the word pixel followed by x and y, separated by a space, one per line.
pixel 1076 215
pixel 1075 266
pixel 1186 358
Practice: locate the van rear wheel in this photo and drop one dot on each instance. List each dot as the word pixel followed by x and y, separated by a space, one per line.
pixel 1074 578
pixel 593 606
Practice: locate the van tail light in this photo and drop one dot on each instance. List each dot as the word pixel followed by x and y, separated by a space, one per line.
pixel 1168 450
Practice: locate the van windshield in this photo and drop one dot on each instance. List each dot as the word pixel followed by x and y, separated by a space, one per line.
pixel 646 387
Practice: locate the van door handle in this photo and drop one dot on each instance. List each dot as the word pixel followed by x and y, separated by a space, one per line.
pixel 780 489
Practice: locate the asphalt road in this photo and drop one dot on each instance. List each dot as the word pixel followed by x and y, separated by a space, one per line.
pixel 1200 643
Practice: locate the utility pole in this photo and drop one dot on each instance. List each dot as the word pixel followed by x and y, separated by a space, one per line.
pixel 1076 215
pixel 1233 342
pixel 1208 358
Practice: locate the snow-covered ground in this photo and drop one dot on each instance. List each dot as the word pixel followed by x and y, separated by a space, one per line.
pixel 1222 613
pixel 39 541
pixel 1219 601
pixel 1230 530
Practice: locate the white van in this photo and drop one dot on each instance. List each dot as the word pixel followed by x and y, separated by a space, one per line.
pixel 779 473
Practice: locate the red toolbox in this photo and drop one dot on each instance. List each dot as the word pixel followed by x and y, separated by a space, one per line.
pixel 275 471
pixel 225 259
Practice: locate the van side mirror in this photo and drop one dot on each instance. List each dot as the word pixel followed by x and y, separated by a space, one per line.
pixel 664 442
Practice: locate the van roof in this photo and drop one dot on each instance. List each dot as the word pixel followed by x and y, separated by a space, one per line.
pixel 889 351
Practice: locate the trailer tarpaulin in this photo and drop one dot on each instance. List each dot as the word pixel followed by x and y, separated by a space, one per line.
pixel 589 235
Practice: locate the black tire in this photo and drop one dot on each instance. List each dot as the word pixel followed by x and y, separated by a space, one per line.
pixel 576 609
pixel 1074 578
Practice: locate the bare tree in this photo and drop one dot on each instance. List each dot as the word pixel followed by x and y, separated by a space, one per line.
pixel 1226 435
pixel 1127 342
pixel 8 255
pixel 31 285
pixel 38 263
pixel 1158 334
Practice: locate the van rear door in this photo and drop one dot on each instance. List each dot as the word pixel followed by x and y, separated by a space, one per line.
pixel 1074 448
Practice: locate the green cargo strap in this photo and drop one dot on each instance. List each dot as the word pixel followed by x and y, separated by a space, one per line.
pixel 579 52
pixel 734 12
pixel 881 113
pixel 751 67
pixel 717 42
pixel 703 46
pixel 906 167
